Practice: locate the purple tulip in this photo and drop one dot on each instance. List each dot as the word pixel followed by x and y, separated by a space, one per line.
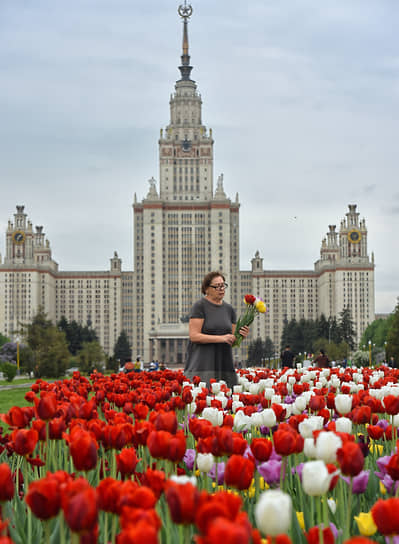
pixel 189 458
pixel 212 472
pixel 383 423
pixel 270 471
pixel 359 482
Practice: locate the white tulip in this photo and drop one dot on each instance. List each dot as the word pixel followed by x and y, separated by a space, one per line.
pixel 315 478
pixel 256 419
pixel 273 512
pixel 235 397
pixel 215 387
pixel 343 425
pixel 236 405
pixel 276 399
pixel 300 404
pixel 269 392
pixel 213 415
pixel 309 448
pixel 307 426
pixel 327 444
pixel 332 505
pixel 343 403
pixel 183 479
pixel 205 462
pixel 237 389
pixel 241 421
pixel 395 420
pixel 254 388
pixel 269 417
pixel 221 397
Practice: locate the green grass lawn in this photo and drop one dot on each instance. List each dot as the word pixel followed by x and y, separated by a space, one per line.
pixel 12 397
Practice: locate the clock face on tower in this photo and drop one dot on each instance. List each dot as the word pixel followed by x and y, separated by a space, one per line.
pixel 186 145
pixel 18 237
pixel 354 236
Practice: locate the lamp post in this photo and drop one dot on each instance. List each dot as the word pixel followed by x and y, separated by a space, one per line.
pixel 17 339
pixel 369 352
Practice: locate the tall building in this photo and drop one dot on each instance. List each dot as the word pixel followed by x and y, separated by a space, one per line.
pixel 184 227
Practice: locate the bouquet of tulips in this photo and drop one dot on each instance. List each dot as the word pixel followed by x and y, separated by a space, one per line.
pixel 254 306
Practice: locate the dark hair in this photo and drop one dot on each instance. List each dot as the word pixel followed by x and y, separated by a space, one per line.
pixel 322 352
pixel 208 280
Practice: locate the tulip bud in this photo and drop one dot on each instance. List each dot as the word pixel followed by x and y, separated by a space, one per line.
pixel 268 417
pixel 343 403
pixel 309 448
pixel 315 478
pixel 343 425
pixel 273 512
pixel 327 444
pixel 205 462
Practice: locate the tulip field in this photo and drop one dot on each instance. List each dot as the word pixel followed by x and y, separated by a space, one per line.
pixel 288 456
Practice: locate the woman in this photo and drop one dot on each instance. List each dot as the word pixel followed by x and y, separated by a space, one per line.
pixel 211 331
pixel 322 360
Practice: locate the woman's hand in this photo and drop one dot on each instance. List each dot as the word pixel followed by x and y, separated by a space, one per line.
pixel 229 339
pixel 244 331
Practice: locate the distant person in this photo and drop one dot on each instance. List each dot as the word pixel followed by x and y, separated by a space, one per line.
pixel 322 361
pixel 392 362
pixel 138 364
pixel 287 357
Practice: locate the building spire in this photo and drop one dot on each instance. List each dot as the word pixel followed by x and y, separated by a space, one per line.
pixel 185 11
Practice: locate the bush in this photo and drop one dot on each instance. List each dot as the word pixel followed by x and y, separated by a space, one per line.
pixel 9 370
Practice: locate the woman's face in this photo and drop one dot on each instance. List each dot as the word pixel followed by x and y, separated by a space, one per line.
pixel 216 289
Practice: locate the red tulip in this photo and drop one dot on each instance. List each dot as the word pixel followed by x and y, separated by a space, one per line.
pixel 177 447
pixel 44 498
pixel 108 493
pixel 83 449
pixel 131 494
pixel 46 406
pixel 7 487
pixel 359 540
pixel 375 432
pixel 350 458
pixel 183 501
pixel 126 462
pixel 239 472
pixel 221 504
pixel 24 441
pixel 79 503
pixel 166 421
pixel 312 536
pixel 317 402
pixel 228 532
pixel 154 479
pixel 261 449
pixel 287 441
pixel 391 403
pixel 385 516
pixel 361 414
pixel 16 417
pixel 141 532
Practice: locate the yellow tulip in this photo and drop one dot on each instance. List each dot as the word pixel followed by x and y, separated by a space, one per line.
pixel 301 520
pixel 260 306
pixel 365 524
pixel 382 489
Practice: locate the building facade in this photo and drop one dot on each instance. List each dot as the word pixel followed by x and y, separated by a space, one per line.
pixel 184 227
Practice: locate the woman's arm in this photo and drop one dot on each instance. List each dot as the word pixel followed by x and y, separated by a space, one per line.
pixel 198 337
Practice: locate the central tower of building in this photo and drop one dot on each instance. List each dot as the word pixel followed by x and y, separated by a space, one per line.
pixel 182 229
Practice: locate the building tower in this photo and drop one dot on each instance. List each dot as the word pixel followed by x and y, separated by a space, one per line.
pixel 184 228
pixel 346 272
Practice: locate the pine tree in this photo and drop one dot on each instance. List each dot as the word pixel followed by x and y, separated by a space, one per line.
pixel 347 328
pixel 122 349
pixel 392 348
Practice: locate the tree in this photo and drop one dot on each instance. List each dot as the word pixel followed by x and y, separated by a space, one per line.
pixel 269 350
pixel 347 328
pixel 3 339
pixel 48 345
pixel 322 327
pixel 122 349
pixel 76 334
pixel 256 351
pixel 377 332
pixel 91 357
pixel 392 348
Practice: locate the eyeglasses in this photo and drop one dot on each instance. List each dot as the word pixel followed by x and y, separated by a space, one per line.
pixel 220 287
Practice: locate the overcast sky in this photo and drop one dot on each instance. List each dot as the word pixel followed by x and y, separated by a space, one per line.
pixel 302 97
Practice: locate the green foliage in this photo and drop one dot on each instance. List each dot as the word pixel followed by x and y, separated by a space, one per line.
pixel 112 364
pixel 392 348
pixel 91 357
pixel 9 371
pixel 377 332
pixel 3 339
pixel 258 350
pixel 303 335
pixel 335 352
pixel 122 349
pixel 360 358
pixel 48 345
pixel 76 334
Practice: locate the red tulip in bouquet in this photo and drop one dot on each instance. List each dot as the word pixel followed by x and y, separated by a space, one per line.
pixel 254 306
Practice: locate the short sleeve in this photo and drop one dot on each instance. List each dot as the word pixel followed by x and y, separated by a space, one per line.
pixel 197 311
pixel 233 316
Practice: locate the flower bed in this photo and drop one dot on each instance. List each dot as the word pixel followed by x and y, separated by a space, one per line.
pixel 288 456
